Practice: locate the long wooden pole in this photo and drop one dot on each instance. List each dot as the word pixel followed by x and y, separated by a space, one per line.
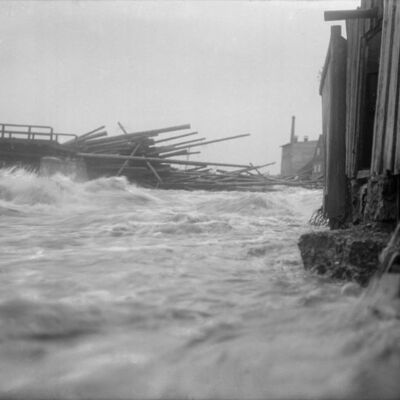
pixel 217 140
pixel 119 139
pixel 155 132
pixel 91 132
pixel 175 137
pixel 174 147
pixel 179 153
pixel 251 167
pixel 85 135
pixel 92 136
pixel 174 153
pixel 193 169
pixel 142 135
pixel 160 160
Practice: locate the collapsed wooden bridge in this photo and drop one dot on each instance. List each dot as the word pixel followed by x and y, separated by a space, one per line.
pixel 148 158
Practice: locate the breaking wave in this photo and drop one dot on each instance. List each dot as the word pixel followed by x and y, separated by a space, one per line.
pixel 19 187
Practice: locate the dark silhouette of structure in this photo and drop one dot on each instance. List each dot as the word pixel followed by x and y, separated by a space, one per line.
pixel 360 91
pixel 296 156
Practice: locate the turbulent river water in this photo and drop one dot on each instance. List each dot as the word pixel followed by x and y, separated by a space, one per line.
pixel 108 290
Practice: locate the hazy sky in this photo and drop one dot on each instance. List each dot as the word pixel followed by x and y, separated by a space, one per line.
pixel 225 67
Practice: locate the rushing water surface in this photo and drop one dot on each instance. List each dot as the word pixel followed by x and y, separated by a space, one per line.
pixel 108 290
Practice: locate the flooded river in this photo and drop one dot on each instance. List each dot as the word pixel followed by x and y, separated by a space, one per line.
pixel 108 290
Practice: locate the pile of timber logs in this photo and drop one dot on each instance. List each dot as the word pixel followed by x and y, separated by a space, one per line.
pixel 151 161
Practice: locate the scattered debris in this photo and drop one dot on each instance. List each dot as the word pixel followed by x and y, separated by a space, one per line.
pixel 319 218
pixel 153 160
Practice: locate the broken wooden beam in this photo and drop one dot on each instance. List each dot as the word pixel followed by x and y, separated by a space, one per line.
pixel 337 15
pixel 179 153
pixel 160 160
pixel 85 135
pixel 175 137
pixel 216 140
pixel 100 128
pixel 122 128
pixel 155 132
pixel 187 142
pixel 249 168
pixel 91 137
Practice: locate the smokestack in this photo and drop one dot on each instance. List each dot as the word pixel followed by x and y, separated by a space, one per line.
pixel 293 129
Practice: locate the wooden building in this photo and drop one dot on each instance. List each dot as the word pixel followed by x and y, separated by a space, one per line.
pixel 360 89
pixel 296 155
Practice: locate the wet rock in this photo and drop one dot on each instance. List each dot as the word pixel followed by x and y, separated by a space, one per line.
pixel 344 254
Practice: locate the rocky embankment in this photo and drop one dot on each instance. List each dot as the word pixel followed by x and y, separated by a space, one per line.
pixel 345 254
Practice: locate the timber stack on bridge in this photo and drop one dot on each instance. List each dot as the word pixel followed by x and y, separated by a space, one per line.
pixel 157 158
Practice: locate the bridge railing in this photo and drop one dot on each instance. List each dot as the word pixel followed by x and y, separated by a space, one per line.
pixel 32 132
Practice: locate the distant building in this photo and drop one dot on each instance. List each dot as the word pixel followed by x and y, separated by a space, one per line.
pixel 318 161
pixel 297 155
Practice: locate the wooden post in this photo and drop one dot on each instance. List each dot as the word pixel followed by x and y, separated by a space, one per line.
pixel 333 92
pixel 122 128
pixel 154 172
pixel 127 161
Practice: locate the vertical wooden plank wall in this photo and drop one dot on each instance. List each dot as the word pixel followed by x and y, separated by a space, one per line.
pixel 393 93
pixel 355 29
pixel 386 128
pixel 333 91
pixel 356 53
pixel 324 91
pixel 394 110
pixel 351 28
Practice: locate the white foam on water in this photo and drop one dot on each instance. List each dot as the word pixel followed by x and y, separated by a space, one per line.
pixel 109 290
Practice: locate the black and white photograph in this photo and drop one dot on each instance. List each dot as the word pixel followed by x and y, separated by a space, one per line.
pixel 199 199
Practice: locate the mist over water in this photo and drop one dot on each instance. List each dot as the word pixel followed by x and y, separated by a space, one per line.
pixel 108 290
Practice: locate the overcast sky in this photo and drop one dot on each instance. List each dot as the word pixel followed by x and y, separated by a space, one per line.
pixel 225 67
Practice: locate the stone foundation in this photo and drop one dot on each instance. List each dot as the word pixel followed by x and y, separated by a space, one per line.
pixel 381 202
pixel 345 254
pixel 374 199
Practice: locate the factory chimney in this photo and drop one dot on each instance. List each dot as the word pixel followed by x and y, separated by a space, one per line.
pixel 292 130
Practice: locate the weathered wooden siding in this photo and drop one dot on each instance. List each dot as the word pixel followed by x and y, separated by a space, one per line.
pixel 333 92
pixel 372 117
pixel 372 23
pixel 386 146
pixel 356 59
pixel 355 29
